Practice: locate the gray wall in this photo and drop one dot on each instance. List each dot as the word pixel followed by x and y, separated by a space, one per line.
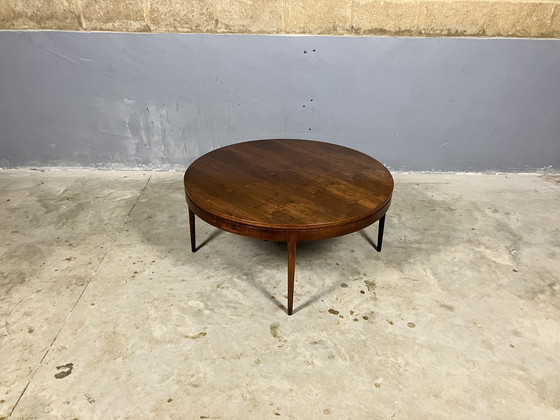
pixel 132 100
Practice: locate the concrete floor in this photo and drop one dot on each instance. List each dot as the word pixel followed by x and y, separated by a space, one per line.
pixel 107 314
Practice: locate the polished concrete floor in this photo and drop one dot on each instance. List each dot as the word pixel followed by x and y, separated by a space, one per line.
pixel 105 312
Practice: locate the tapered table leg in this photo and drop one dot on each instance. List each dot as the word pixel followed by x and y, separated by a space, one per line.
pixel 380 233
pixel 291 274
pixel 191 226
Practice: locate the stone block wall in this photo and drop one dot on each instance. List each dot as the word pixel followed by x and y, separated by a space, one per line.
pixel 468 18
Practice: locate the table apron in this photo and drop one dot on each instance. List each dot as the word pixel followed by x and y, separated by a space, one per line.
pixel 286 234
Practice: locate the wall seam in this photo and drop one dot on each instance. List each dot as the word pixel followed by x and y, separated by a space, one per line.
pixel 79 14
pixel 352 16
pixel 217 15
pixel 146 6
pixel 283 17
pixel 418 6
pixel 551 17
pixel 485 23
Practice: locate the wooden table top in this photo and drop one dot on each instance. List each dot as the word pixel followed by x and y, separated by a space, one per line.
pixel 288 189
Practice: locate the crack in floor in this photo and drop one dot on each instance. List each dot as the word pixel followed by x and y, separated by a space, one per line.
pixel 119 230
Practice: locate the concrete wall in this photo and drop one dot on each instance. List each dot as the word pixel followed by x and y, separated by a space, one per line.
pixel 488 18
pixel 147 100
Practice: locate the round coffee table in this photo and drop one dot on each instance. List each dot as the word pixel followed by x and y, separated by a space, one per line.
pixel 288 190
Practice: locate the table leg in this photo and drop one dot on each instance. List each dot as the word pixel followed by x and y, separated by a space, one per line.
pixel 380 233
pixel 291 274
pixel 191 226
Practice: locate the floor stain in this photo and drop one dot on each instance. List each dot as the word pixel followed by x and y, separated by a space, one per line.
pixel 343 285
pixel 65 370
pixel 554 179
pixel 544 288
pixel 450 308
pixel 326 411
pixel 275 330
pixel 411 324
pixel 442 218
pixel 89 399
pixel 199 335
pixel 371 285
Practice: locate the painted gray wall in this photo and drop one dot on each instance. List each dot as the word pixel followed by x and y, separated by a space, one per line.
pixel 132 100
